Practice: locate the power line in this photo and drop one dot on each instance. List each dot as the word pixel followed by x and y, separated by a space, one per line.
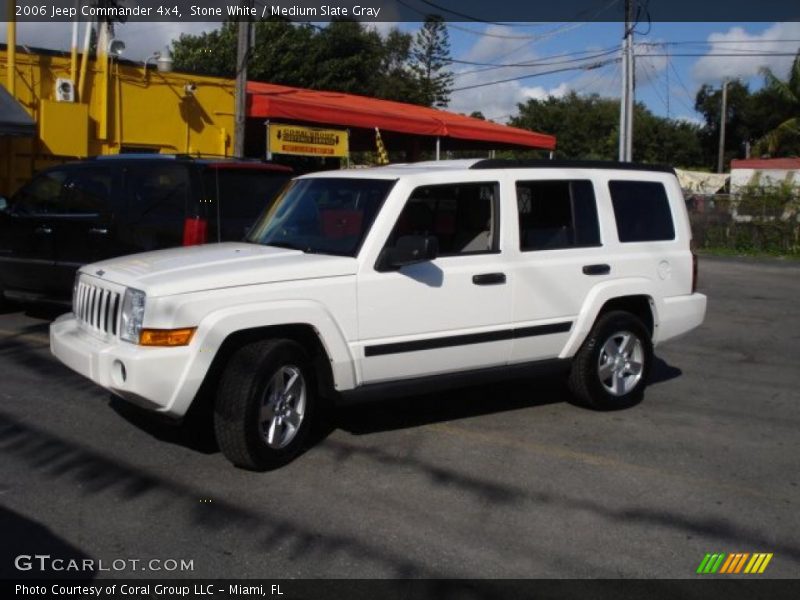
pixel 589 67
pixel 709 43
pixel 536 62
pixel 728 54
pixel 652 80
pixel 671 65
pixel 478 20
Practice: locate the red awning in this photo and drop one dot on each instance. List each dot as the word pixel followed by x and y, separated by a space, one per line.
pixel 269 101
pixel 783 164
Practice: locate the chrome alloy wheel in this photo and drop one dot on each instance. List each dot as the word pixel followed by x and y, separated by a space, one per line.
pixel 283 407
pixel 621 363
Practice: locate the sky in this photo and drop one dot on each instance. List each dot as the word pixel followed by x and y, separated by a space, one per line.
pixel 666 81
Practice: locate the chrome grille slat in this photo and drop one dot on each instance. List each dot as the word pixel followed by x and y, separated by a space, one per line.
pixel 98 308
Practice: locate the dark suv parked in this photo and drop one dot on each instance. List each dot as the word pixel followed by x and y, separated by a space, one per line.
pixel 103 207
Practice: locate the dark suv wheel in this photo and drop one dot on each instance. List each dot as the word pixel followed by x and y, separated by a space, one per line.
pixel 611 368
pixel 265 404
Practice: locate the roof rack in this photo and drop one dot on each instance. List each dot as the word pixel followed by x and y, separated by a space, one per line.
pixel 502 163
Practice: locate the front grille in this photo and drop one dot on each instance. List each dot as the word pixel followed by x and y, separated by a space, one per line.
pixel 98 308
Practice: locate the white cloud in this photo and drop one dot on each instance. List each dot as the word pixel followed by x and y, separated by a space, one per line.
pixel 499 101
pixel 710 69
pixel 541 93
pixel 691 119
pixel 649 62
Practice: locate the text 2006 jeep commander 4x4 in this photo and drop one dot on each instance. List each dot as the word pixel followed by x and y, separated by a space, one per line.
pixel 366 282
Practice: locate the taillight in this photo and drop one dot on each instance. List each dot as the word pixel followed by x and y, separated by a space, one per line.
pixel 195 231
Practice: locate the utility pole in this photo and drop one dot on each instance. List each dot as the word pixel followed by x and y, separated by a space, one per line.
pixel 240 94
pixel 11 51
pixel 722 118
pixel 627 100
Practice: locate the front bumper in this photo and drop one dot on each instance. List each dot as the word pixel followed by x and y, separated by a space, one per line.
pixel 150 377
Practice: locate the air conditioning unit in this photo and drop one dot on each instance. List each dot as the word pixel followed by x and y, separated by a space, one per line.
pixel 65 90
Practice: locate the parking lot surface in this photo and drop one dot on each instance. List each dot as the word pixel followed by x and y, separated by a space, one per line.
pixel 508 480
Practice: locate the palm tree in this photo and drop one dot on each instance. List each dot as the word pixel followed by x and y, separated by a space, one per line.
pixel 789 91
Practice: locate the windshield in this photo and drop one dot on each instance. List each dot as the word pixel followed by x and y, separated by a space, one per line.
pixel 324 216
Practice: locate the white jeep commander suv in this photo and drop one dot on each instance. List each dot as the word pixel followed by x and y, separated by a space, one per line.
pixel 366 283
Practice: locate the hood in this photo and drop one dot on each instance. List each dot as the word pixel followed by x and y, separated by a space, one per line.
pixel 213 266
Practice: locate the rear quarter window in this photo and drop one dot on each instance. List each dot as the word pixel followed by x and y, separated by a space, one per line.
pixel 641 210
pixel 243 193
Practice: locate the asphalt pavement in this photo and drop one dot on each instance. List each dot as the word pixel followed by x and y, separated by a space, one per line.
pixel 501 481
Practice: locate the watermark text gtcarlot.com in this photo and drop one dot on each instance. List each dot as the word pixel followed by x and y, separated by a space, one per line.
pixel 48 563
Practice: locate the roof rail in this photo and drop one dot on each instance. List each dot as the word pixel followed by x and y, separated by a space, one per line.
pixel 502 163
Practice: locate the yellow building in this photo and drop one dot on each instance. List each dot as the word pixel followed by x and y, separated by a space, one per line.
pixel 129 109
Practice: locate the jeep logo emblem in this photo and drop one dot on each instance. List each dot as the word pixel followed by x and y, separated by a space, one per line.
pixel 99 272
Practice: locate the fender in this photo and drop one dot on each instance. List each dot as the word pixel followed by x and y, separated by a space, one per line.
pixel 597 297
pixel 218 325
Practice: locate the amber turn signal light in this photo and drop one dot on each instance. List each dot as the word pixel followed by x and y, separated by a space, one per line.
pixel 166 337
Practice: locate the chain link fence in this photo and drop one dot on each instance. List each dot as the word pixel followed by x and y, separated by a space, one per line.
pixel 753 220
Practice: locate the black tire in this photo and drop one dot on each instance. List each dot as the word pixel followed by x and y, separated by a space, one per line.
pixel 242 393
pixel 624 387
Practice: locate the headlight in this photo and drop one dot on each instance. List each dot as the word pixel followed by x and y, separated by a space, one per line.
pixel 132 315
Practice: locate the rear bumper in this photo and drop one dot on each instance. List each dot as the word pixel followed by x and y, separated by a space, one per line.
pixel 679 315
pixel 149 377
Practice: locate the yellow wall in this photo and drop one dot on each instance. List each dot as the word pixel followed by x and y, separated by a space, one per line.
pixel 144 109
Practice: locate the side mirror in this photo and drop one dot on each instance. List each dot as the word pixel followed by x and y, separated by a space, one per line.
pixel 409 250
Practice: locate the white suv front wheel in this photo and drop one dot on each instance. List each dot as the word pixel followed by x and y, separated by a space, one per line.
pixel 265 404
pixel 610 370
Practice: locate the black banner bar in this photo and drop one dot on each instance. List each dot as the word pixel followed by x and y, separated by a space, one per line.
pixel 731 588
pixel 477 12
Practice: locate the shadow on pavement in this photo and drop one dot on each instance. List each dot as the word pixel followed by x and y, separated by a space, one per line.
pixel 452 405
pixel 62 461
pixel 661 371
pixel 23 536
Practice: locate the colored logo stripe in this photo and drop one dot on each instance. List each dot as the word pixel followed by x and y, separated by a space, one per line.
pixel 711 563
pixel 758 563
pixel 729 564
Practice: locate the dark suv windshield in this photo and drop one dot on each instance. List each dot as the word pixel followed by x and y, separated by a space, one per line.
pixel 324 215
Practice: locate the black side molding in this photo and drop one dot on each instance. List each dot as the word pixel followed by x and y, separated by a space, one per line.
pixel 466 339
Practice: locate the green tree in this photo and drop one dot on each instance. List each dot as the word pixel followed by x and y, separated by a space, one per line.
pixel 430 56
pixel 396 80
pixel 587 127
pixel 782 138
pixel 740 127
pixel 280 53
pixel 209 53
pixel 347 58
pixel 344 56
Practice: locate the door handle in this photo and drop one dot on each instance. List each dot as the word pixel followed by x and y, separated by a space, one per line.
pixel 43 230
pixel 597 269
pixel 98 231
pixel 489 279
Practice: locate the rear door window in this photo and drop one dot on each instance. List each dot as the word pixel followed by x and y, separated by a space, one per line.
pixel 157 198
pixel 238 196
pixel 641 209
pixel 556 214
pixel 157 191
